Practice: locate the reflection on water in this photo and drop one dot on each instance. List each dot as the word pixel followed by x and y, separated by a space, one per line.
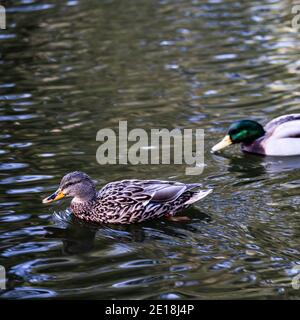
pixel 70 68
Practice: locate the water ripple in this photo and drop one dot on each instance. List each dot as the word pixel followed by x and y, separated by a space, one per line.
pixel 158 64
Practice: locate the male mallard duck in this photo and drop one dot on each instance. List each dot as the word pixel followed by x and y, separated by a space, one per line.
pixel 126 201
pixel 280 137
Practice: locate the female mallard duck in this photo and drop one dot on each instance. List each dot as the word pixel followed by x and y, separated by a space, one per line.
pixel 280 137
pixel 126 201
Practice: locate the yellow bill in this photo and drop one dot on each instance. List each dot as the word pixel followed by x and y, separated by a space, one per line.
pixel 58 194
pixel 222 144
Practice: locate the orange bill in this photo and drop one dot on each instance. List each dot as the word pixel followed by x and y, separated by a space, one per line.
pixel 58 194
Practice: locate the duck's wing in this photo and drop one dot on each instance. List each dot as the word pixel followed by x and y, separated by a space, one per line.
pixel 282 136
pixel 165 191
pixel 130 201
pixel 129 191
pixel 289 120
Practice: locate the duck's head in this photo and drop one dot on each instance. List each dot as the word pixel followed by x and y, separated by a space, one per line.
pixel 77 185
pixel 245 131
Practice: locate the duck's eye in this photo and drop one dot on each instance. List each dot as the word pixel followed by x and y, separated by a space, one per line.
pixel 233 132
pixel 68 185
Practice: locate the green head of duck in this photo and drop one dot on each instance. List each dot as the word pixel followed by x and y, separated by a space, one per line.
pixel 243 131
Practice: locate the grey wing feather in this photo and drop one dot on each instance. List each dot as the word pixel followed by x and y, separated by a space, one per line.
pixel 130 201
pixel 165 191
pixel 146 191
pixel 270 126
pixel 168 193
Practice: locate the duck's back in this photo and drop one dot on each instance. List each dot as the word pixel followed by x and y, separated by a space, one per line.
pixel 283 136
pixel 275 124
pixel 130 201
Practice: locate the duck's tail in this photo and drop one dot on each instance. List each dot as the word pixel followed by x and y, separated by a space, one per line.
pixel 198 195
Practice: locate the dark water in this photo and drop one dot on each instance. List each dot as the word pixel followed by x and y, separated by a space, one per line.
pixel 70 68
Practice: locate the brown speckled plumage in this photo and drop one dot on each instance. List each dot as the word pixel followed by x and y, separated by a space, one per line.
pixel 129 201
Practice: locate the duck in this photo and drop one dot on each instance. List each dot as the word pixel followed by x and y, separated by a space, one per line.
pixel 279 137
pixel 126 201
